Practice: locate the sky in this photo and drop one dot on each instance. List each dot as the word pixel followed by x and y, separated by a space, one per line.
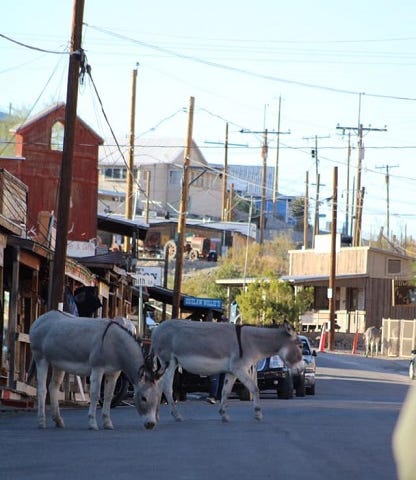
pixel 331 64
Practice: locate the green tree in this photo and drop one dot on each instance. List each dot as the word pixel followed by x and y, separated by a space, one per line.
pixel 273 301
pixel 9 122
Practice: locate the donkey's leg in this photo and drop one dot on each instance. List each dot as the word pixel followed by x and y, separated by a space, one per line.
pixel 229 380
pixel 167 386
pixel 247 379
pixel 95 387
pixel 41 374
pixel 54 384
pixel 110 380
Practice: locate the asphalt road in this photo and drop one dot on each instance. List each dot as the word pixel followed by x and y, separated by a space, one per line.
pixel 343 432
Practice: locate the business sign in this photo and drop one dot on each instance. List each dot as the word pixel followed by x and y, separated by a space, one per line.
pixel 404 293
pixel 154 274
pixel 202 302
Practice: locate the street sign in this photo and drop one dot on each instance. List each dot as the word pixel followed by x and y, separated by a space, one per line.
pixel 154 272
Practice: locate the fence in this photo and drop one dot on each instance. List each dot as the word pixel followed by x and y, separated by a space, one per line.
pixel 398 337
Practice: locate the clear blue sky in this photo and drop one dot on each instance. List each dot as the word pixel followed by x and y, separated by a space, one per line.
pixel 236 58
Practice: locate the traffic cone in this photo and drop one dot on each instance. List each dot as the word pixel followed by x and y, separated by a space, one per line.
pixel 355 343
pixel 322 340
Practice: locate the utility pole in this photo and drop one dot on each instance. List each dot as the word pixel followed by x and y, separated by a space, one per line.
pixel 387 177
pixel 130 171
pixel 347 200
pixel 224 177
pixel 306 213
pixel 148 176
pixel 276 168
pixel 264 151
pixel 314 153
pixel 224 206
pixel 333 259
pixel 65 182
pixel 359 201
pixel 182 214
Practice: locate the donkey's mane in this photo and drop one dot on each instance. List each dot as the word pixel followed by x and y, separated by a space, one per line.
pixel 137 338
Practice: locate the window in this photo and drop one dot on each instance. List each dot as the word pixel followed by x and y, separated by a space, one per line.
pixel 175 177
pixel 393 266
pixel 320 298
pixel 352 299
pixel 57 136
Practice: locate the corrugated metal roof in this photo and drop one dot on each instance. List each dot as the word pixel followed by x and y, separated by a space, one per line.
pixel 321 278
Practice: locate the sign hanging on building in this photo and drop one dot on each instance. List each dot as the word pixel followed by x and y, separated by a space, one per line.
pixel 202 302
pixel 404 293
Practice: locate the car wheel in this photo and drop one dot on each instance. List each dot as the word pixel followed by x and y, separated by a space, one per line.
pixel 412 370
pixel 285 388
pixel 310 390
pixel 300 386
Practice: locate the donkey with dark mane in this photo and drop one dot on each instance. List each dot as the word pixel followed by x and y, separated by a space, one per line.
pixel 95 347
pixel 207 348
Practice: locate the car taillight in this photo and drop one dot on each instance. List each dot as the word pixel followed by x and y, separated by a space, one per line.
pixel 276 362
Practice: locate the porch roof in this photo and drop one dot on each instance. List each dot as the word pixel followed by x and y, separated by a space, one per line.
pixel 308 279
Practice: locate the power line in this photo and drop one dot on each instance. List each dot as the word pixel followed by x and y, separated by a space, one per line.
pixel 31 47
pixel 243 71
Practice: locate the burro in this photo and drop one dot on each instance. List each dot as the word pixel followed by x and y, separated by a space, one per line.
pixel 209 348
pixel 93 347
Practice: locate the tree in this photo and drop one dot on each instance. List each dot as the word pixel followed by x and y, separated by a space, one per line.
pixel 272 302
pixel 7 123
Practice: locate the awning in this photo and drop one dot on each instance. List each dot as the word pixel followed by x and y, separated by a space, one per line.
pixel 122 226
pixel 309 279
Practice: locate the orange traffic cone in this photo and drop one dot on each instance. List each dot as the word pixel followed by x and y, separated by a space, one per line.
pixel 322 340
pixel 355 343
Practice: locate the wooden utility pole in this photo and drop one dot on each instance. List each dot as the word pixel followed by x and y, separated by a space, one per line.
pixel 331 286
pixel 314 153
pixel 263 187
pixel 360 130
pixel 224 177
pixel 347 200
pixel 306 213
pixel 148 177
pixel 65 181
pixel 276 167
pixel 387 178
pixel 182 214
pixel 130 170
pixel 264 151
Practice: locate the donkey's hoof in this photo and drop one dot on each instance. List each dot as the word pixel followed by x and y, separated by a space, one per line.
pixel 59 423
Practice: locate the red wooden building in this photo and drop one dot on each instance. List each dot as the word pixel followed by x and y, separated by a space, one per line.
pixel 39 143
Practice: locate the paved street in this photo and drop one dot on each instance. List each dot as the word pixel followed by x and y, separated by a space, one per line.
pixel 343 432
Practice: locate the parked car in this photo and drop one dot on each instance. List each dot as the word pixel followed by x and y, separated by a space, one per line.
pixel 272 374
